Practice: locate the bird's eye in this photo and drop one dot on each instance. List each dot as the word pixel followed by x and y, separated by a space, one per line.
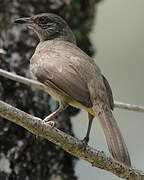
pixel 43 20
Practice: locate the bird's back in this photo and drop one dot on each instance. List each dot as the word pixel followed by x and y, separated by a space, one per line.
pixel 70 69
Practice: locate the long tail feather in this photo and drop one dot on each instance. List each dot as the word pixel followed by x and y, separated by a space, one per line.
pixel 115 141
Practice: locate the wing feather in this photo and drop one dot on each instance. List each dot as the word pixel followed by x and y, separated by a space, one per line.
pixel 65 77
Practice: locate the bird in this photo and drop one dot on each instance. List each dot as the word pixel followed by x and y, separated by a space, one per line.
pixel 73 78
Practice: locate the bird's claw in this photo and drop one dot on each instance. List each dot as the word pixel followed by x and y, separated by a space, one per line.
pixel 85 141
pixel 50 123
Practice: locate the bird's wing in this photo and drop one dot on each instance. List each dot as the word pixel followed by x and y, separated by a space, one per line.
pixel 64 76
pixel 109 93
pixel 64 65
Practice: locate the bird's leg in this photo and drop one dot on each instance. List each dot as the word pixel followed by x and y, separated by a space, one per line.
pixel 53 114
pixel 62 107
pixel 86 138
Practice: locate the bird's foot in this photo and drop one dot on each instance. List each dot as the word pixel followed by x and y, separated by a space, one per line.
pixel 50 123
pixel 47 120
pixel 85 141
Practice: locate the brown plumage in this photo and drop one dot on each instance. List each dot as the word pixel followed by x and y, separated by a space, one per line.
pixel 72 78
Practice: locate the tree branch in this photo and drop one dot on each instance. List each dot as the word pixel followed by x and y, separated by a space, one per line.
pixel 21 79
pixel 39 85
pixel 130 107
pixel 68 143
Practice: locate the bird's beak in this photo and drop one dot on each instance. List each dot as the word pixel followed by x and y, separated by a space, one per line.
pixel 23 21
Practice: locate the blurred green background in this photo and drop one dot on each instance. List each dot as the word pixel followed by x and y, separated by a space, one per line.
pixel 118 35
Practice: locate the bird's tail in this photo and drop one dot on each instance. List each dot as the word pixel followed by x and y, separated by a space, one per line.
pixel 115 141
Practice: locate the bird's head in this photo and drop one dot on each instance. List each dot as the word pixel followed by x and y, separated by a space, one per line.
pixel 48 26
